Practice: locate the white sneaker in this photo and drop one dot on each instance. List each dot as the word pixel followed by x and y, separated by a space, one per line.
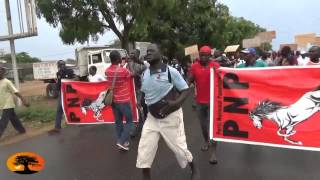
pixel 123 147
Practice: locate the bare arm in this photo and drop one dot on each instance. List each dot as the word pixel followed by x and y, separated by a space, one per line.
pixel 183 96
pixel 25 103
pixel 190 80
pixel 176 103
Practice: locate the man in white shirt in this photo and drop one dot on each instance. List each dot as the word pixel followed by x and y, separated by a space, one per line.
pixel 314 54
pixel 302 59
pixel 93 76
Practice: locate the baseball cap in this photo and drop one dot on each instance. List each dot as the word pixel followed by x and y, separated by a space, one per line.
pixel 4 69
pixel 249 51
pixel 205 49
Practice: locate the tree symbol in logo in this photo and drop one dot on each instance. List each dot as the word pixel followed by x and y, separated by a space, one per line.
pixel 26 161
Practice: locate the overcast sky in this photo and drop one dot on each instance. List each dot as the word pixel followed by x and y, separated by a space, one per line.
pixel 286 17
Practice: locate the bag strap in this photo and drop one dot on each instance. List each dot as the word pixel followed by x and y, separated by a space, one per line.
pixel 115 77
pixel 169 76
pixel 170 80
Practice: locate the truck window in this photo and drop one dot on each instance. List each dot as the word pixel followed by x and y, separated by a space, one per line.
pixel 96 58
pixel 106 56
pixel 89 58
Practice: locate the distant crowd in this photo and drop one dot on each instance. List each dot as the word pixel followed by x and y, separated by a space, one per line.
pixel 251 57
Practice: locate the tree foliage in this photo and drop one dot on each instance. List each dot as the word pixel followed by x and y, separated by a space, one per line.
pixel 21 57
pixel 191 22
pixel 173 24
pixel 81 19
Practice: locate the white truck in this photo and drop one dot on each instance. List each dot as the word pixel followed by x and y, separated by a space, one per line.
pixel 85 58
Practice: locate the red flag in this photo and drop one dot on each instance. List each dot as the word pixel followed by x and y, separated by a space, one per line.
pixel 267 106
pixel 82 102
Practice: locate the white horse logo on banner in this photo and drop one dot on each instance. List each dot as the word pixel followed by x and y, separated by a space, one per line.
pixel 96 106
pixel 287 117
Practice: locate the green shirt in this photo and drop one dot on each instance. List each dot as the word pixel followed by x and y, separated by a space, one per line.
pixel 7 94
pixel 262 61
pixel 256 64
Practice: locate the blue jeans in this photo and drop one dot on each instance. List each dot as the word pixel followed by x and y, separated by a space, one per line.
pixel 121 110
pixel 59 114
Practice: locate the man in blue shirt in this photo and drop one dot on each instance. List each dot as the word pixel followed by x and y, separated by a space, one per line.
pixel 159 81
pixel 250 59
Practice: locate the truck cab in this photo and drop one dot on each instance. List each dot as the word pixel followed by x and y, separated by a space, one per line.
pixel 101 60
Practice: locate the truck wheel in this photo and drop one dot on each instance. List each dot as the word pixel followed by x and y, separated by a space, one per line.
pixel 52 91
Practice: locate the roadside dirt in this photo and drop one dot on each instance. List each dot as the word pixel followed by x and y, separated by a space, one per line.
pixel 33 88
pixel 11 136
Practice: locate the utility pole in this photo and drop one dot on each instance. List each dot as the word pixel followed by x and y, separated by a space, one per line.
pixel 12 47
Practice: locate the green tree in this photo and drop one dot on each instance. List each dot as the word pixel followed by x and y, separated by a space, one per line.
pixel 71 61
pixel 188 22
pixel 82 19
pixel 173 24
pixel 266 46
pixel 21 57
pixel 167 26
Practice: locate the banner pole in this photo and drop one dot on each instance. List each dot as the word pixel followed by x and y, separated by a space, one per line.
pixel 211 101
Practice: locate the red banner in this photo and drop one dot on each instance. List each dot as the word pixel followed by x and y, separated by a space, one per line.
pixel 267 106
pixel 83 102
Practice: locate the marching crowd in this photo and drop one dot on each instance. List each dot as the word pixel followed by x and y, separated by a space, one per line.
pixel 161 89
pixel 257 58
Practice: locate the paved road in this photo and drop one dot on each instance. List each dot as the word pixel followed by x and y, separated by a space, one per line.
pixel 89 153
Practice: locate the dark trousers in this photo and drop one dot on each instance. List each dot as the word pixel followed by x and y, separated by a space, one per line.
pixel 203 112
pixel 10 115
pixel 59 113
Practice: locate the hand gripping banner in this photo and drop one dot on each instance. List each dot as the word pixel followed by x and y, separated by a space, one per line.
pixel 83 102
pixel 267 106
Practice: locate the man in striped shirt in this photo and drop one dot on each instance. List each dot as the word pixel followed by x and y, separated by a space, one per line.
pixel 121 99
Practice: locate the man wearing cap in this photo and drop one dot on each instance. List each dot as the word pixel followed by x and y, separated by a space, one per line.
pixel 250 59
pixel 200 75
pixel 314 54
pixel 7 104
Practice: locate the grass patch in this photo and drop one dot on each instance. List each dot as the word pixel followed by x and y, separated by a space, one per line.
pixel 42 114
